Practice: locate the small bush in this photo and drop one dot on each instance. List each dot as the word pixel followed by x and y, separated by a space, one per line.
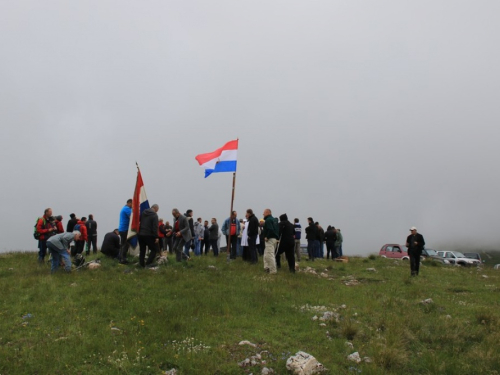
pixel 372 257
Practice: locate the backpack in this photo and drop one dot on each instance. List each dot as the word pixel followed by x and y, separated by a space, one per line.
pixel 36 234
pixel 77 227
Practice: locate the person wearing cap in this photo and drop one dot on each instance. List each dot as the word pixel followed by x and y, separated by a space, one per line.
pixel 111 244
pixel 415 244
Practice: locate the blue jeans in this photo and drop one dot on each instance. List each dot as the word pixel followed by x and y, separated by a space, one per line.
pixel 187 246
pixel 57 255
pixel 239 247
pixel 316 249
pixel 310 249
pixel 321 250
pixel 197 246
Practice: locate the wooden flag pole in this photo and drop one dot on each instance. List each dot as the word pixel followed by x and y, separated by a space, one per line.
pixel 231 218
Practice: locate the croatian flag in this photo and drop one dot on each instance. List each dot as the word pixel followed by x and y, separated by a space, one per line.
pixel 221 160
pixel 139 204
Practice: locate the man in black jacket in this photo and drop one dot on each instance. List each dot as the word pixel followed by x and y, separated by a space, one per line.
pixel 148 235
pixel 415 244
pixel 252 233
pixel 287 243
pixel 111 244
pixel 91 234
pixel 311 232
pixel 71 223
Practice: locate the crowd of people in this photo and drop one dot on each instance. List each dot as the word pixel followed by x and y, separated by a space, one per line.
pixel 247 237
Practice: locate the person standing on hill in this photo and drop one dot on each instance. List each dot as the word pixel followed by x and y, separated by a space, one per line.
pixel 338 242
pixel 311 232
pixel 45 230
pixel 91 234
pixel 320 236
pixel 148 235
pixel 206 238
pixel 214 236
pixel 298 234
pixel 198 236
pixel 415 244
pixel 80 243
pixel 271 235
pixel 71 223
pixel 287 243
pixel 123 225
pixel 231 227
pixel 252 231
pixel 330 238
pixel 182 234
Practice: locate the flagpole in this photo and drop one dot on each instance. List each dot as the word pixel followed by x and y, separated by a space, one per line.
pixel 231 219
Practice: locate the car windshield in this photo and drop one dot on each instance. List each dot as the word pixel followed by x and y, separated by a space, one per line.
pixel 431 252
pixel 459 254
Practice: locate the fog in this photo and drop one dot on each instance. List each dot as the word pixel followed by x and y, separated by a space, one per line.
pixel 369 116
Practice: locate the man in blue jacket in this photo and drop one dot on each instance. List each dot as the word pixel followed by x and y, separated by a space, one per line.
pixel 123 230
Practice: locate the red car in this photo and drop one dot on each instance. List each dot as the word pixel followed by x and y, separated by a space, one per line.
pixel 393 250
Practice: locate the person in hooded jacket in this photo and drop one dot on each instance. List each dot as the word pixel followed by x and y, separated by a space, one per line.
pixel 148 235
pixel 330 238
pixel 287 243
pixel 80 243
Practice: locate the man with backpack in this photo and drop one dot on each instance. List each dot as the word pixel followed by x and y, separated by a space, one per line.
pixel 43 230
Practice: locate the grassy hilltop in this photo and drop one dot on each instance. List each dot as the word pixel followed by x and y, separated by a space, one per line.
pixel 124 320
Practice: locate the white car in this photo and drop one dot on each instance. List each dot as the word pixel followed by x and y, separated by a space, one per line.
pixel 457 258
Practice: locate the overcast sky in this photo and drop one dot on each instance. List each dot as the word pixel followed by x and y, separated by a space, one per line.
pixel 372 116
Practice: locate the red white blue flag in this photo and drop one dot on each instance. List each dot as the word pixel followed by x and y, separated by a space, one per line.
pixel 221 160
pixel 139 204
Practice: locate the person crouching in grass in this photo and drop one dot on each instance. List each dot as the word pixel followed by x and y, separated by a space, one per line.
pixel 58 246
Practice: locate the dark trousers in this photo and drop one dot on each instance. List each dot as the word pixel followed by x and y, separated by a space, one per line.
pixel 124 246
pixel 414 261
pixel 42 250
pixel 178 249
pixel 252 248
pixel 79 247
pixel 310 249
pixel 234 244
pixel 330 249
pixel 289 250
pixel 149 242
pixel 161 244
pixel 92 240
pixel 205 243
pixel 215 248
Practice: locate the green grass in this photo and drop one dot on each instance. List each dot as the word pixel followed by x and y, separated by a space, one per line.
pixel 192 317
